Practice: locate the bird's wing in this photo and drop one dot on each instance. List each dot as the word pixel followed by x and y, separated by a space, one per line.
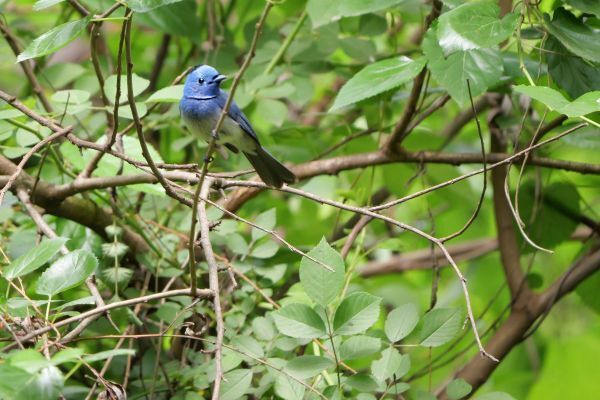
pixel 237 115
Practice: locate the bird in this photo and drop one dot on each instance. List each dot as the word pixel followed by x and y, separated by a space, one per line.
pixel 200 107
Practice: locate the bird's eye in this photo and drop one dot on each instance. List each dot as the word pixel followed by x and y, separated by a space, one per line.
pixel 201 81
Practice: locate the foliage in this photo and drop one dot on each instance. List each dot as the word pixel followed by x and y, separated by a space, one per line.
pixel 323 291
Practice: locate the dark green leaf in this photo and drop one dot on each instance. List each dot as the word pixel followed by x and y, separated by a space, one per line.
pixel 34 258
pixel 321 285
pixel 178 19
pixel 68 271
pixel 54 39
pixel 440 325
pixel 574 34
pixel 363 383
pixel 356 313
pixel 378 78
pixel 587 6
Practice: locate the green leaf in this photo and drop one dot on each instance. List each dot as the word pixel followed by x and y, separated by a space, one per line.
pixel 324 12
pixel 235 384
pixel 103 355
pixel 266 220
pixel 574 34
pixel 440 325
pixel 29 360
pixel 573 74
pixel 299 321
pixel 474 26
pixel 263 328
pixel 359 346
pixel 495 396
pixel 265 250
pixel 54 39
pixel 308 366
pixel 248 345
pixel 178 19
pixel 34 258
pixel 71 96
pixel 349 8
pixel 288 388
pixel 587 6
pixel 117 275
pixel 401 322
pixel 138 83
pixel 169 94
pixel 12 379
pixel 378 78
pixel 46 384
pixel 583 105
pixel 356 313
pixel 387 365
pixel 321 285
pixel 482 67
pixel 66 355
pixel 362 383
pixel 457 389
pixel 588 292
pixel 41 4
pixel 68 271
pixel 142 6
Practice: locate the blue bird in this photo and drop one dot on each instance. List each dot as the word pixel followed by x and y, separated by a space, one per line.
pixel 200 107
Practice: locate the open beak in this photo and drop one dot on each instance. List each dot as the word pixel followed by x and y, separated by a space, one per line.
pixel 219 78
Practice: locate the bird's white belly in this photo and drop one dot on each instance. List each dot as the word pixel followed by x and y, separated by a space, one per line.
pixel 230 132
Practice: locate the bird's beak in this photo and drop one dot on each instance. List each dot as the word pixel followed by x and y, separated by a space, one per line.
pixel 220 78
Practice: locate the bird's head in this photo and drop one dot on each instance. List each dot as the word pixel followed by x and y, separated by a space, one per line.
pixel 203 82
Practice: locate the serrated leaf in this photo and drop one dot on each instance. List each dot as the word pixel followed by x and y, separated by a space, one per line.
pixel 321 285
pixel 473 26
pixel 378 78
pixel 299 321
pixel 117 275
pixel 169 94
pixel 482 67
pixel 54 39
pixel 574 34
pixel 457 389
pixel 308 366
pixel 359 346
pixel 356 313
pixel 68 271
pixel 440 325
pixel 235 384
pixel 114 249
pixel 34 258
pixel 401 322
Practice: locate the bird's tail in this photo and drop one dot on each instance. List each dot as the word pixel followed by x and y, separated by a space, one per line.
pixel 271 171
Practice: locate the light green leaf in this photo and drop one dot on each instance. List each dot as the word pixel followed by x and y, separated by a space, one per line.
pixel 29 360
pixel 44 385
pixel 266 220
pixel 235 384
pixel 324 12
pixel 299 321
pixel 263 328
pixel 103 355
pixel 359 346
pixel 71 96
pixel 265 250
pixel 68 271
pixel 401 322
pixel 54 39
pixel 362 383
pixel 138 83
pixel 41 4
pixel 378 78
pixel 356 313
pixel 583 105
pixel 288 388
pixel 66 355
pixel 117 275
pixel 482 67
pixel 387 365
pixel 440 325
pixel 248 345
pixel 473 26
pixel 142 6
pixel 308 366
pixel 169 94
pixel 574 34
pixel 12 379
pixel 349 8
pixel 321 285
pixel 457 389
pixel 34 258
pixel 495 396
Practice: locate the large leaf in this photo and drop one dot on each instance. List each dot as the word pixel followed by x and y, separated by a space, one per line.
pixel 169 94
pixel 299 321
pixel 68 271
pixel 43 385
pixel 307 366
pixel 574 34
pixel 321 285
pixel 54 39
pixel 401 322
pixel 457 389
pixel 482 67
pixel 378 78
pixel 34 258
pixel 388 365
pixel 178 19
pixel 323 12
pixel 440 325
pixel 350 8
pixel 587 6
pixel 473 26
pixel 142 6
pixel 235 384
pixel 12 379
pixel 356 313
pixel 574 74
pixel 583 105
pixel 359 346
